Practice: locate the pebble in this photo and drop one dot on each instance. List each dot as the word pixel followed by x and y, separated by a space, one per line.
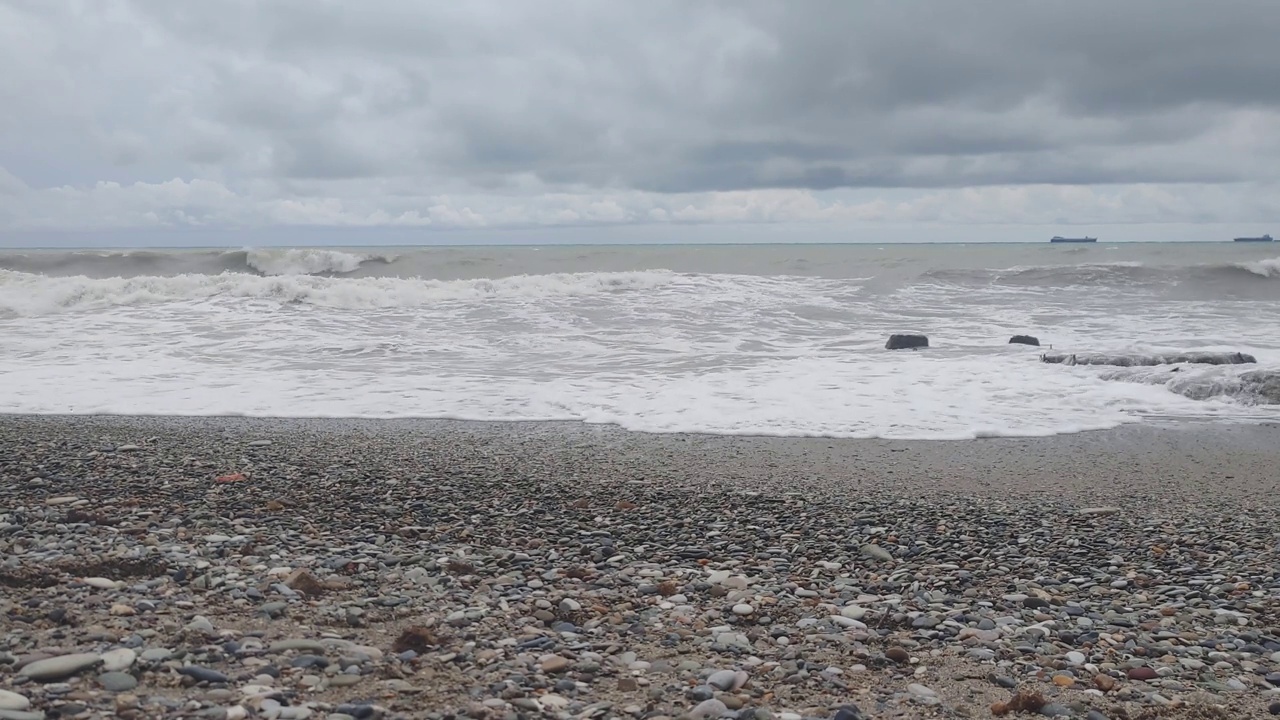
pixel 533 602
pixel 118 659
pixel 875 552
pixel 61 667
pixel 117 681
pixel 202 674
pixel 10 700
pixel 708 710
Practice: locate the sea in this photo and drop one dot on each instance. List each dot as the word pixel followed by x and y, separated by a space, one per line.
pixel 776 340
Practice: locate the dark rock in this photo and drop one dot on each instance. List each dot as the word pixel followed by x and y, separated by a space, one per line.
pixel 849 712
pixel 1274 708
pixel 1024 340
pixel 310 661
pixel 202 674
pixel 1035 602
pixel 360 711
pixel 906 342
pixel 1201 358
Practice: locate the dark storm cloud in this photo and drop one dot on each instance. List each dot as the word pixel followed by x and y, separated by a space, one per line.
pixel 666 96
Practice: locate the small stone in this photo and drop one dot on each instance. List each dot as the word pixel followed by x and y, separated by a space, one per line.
pixel 1076 657
pixel 117 681
pixel 203 674
pixel 1105 683
pixel 875 552
pixel 13 701
pixel 1100 511
pixel 898 655
pixel 920 691
pixel 722 679
pixel 743 609
pixel 260 443
pixel 627 684
pixel 61 667
pixel 554 664
pixel 309 661
pixel 1142 673
pixel 118 659
pixel 708 710
pixel 101 583
pixel 1274 708
pixel 849 712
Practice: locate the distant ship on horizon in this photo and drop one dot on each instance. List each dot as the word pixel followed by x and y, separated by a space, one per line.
pixel 1059 238
pixel 1264 238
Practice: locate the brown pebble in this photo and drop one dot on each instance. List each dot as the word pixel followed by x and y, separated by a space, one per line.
pixel 1063 680
pixel 417 638
pixel 898 655
pixel 555 664
pixel 627 684
pixel 304 582
pixel 1142 673
pixel 1105 683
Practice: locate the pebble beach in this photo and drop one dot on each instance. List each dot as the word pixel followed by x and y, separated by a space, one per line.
pixel 229 568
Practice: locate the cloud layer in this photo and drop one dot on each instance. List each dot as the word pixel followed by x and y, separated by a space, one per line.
pixel 138 113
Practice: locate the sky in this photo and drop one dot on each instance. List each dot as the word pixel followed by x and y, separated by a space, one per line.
pixel 154 122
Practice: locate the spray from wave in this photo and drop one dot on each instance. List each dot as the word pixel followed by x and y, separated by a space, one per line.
pixel 1269 268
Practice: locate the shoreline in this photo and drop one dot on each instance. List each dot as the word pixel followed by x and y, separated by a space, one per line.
pixel 570 570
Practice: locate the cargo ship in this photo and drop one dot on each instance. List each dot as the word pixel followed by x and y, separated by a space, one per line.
pixel 1264 238
pixel 1059 238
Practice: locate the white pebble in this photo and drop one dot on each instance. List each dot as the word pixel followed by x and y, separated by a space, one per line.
pixel 13 701
pixel 743 609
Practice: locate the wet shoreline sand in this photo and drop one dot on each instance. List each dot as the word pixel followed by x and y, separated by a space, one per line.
pixel 568 570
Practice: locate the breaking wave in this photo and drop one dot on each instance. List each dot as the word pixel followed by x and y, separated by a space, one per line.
pixel 306 261
pixel 168 263
pixel 1269 268
pixel 30 294
pixel 1105 273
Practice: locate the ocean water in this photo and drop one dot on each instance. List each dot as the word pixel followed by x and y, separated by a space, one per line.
pixel 760 340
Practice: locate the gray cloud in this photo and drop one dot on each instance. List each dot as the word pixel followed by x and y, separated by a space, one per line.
pixel 334 101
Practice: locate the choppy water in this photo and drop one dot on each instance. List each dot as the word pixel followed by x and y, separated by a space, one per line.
pixel 778 340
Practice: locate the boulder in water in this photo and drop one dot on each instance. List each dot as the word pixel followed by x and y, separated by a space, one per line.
pixel 1024 340
pixel 1140 360
pixel 906 342
pixel 1262 385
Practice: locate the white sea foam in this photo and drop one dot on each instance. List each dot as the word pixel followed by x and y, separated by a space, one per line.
pixel 648 350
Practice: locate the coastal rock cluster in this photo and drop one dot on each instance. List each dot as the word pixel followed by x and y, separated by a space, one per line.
pixel 387 571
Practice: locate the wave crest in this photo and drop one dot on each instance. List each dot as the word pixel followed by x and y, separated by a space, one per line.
pixel 1269 268
pixel 30 294
pixel 307 261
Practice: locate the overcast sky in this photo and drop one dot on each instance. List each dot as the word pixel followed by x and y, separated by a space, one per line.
pixel 157 121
